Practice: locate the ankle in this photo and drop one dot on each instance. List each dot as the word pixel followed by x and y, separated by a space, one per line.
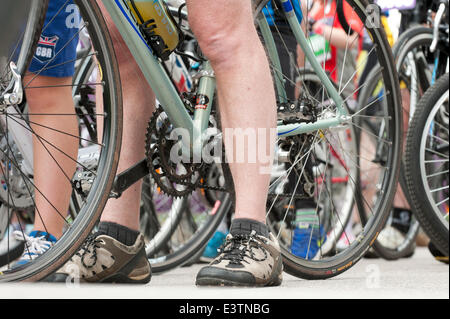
pixel 244 226
pixel 125 235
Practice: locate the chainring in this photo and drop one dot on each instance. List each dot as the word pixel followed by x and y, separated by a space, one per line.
pixel 174 179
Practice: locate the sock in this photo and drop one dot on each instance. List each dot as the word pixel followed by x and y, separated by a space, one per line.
pixel 244 226
pixel 121 233
pixel 306 217
pixel 401 219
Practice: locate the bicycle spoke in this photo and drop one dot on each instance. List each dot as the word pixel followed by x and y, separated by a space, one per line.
pixel 61 132
pixel 42 140
pixel 32 183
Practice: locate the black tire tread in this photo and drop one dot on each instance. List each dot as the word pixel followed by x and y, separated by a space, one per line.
pixel 421 206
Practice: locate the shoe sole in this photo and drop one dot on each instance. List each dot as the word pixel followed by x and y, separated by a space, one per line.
pixel 117 278
pixel 205 281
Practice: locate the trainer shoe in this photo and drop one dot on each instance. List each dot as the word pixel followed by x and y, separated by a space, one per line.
pixel 244 260
pixel 395 234
pixel 36 244
pixel 102 258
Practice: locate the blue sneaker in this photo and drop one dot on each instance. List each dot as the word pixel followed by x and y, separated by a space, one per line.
pixel 211 250
pixel 36 244
pixel 307 241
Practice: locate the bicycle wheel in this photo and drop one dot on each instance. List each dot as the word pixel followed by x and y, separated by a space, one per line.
pixel 327 170
pixel 412 61
pixel 91 181
pixel 427 163
pixel 416 66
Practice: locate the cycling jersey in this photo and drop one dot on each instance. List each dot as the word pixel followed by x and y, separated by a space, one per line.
pixel 56 51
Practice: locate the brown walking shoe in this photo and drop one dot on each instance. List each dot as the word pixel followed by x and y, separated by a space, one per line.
pixel 102 258
pixel 245 260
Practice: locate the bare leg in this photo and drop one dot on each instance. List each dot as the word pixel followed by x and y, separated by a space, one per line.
pixel 53 170
pixel 228 38
pixel 139 103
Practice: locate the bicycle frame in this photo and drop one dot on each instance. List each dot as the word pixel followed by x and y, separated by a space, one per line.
pixel 170 100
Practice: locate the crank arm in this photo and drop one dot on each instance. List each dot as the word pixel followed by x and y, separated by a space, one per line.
pixel 129 177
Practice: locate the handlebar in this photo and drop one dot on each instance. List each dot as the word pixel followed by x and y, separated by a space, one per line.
pixel 437 22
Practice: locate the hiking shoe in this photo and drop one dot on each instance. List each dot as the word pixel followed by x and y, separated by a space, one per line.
pixel 306 242
pixel 213 247
pixel 35 244
pixel 102 258
pixel 244 260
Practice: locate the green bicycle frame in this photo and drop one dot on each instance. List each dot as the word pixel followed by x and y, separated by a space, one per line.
pixel 170 100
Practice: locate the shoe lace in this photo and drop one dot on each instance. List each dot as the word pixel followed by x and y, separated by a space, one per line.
pixel 34 245
pixel 237 247
pixel 89 249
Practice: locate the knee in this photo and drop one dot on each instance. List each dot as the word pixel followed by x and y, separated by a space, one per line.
pixel 219 44
pixel 223 32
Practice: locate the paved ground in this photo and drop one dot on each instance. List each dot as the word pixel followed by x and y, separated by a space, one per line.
pixel 418 277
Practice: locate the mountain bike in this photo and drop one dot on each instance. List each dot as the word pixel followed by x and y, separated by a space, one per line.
pixel 310 127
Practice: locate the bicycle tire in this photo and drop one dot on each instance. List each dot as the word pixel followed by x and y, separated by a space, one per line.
pixel 99 193
pixel 342 18
pixel 435 227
